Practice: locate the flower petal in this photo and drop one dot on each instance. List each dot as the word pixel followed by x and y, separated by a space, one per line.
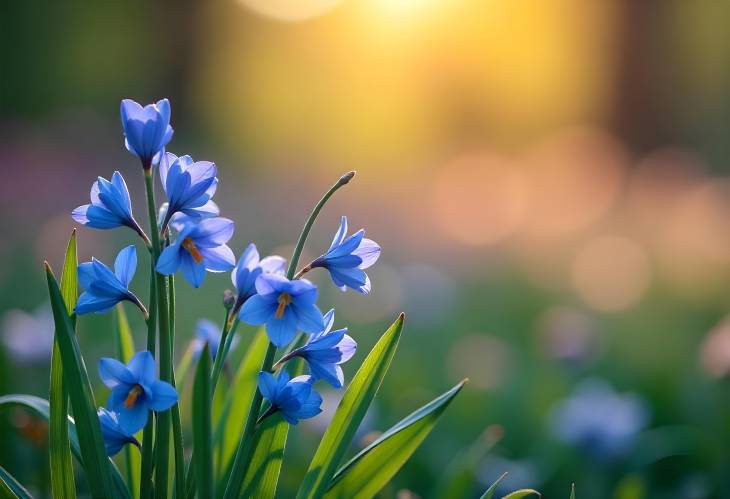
pixel 369 251
pixel 125 265
pixel 193 272
pixel 282 331
pixel 169 260
pixel 309 318
pixel 163 396
pixel 142 365
pixel 113 373
pixel 268 386
pixel 218 259
pixel 340 234
pixel 257 310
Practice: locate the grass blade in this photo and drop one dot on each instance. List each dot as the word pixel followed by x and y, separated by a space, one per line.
pixel 125 351
pixel 350 413
pixel 76 379
pixel 202 439
pixel 519 494
pixel 262 475
pixel 492 488
pixel 371 469
pixel 572 491
pixel 10 487
pixel 41 408
pixel 62 476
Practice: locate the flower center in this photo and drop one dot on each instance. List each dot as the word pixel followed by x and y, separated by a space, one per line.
pixel 189 245
pixel 132 396
pixel 284 300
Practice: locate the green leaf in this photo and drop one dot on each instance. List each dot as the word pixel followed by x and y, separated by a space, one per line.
pixel 125 351
pixel 239 400
pixel 203 450
pixel 62 476
pixel 372 468
pixel 518 494
pixel 572 491
pixel 76 379
pixel 262 475
pixel 349 415
pixel 10 487
pixel 41 408
pixel 490 491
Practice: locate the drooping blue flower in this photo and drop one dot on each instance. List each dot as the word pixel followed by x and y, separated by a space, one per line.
pixel 110 206
pixel 600 421
pixel 135 390
pixel 147 129
pixel 325 351
pixel 199 246
pixel 347 259
pixel 296 399
pixel 247 270
pixel 114 437
pixel 104 288
pixel 189 186
pixel 284 306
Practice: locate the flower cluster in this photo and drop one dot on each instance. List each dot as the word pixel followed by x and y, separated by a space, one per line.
pixel 189 236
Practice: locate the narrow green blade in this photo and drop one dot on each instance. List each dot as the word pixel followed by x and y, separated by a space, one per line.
pixel 76 379
pixel 572 491
pixel 262 475
pixel 41 408
pixel 519 494
pixel 371 469
pixel 490 491
pixel 202 438
pixel 10 487
pixel 239 400
pixel 125 351
pixel 350 413
pixel 62 476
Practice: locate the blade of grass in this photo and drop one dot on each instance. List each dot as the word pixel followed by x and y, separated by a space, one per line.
pixel 10 487
pixel 41 408
pixel 350 412
pixel 519 494
pixel 146 487
pixel 267 448
pixel 82 399
pixel 202 438
pixel 125 351
pixel 62 477
pixel 492 488
pixel 372 468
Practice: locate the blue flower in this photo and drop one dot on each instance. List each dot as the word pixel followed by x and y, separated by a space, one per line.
pixel 114 437
pixel 247 270
pixel 200 245
pixel 284 306
pixel 207 331
pixel 147 129
pixel 296 399
pixel 104 288
pixel 110 206
pixel 347 259
pixel 189 186
pixel 135 390
pixel 602 422
pixel 325 351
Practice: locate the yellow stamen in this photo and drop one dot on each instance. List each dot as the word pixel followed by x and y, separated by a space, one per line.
pixel 189 245
pixel 284 300
pixel 132 397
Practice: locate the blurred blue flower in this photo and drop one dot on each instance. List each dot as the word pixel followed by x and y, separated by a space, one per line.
pixel 104 288
pixel 602 422
pixel 247 270
pixel 207 331
pixel 28 336
pixel 284 306
pixel 114 437
pixel 325 351
pixel 135 390
pixel 147 129
pixel 199 246
pixel 296 398
pixel 189 186
pixel 347 259
pixel 110 206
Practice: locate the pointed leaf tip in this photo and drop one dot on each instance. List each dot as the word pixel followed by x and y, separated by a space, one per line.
pixel 402 317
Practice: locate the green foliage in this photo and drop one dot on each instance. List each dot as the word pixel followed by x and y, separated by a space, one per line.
pixel 202 444
pixel 10 487
pixel 41 408
pixel 490 491
pixel 262 474
pixel 350 413
pixel 125 351
pixel 82 399
pixel 372 468
pixel 62 476
pixel 519 494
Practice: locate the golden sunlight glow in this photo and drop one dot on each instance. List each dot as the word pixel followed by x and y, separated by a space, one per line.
pixel 290 10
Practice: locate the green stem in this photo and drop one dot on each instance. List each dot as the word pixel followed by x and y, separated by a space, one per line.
pixel 162 450
pixel 145 480
pixel 227 336
pixel 177 436
pixel 242 455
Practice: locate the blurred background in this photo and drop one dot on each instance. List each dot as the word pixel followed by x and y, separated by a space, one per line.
pixel 549 182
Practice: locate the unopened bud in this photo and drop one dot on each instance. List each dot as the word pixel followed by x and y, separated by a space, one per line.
pixel 229 299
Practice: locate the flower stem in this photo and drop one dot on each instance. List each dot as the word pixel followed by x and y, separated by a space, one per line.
pixel 177 437
pixel 162 443
pixel 243 455
pixel 145 482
